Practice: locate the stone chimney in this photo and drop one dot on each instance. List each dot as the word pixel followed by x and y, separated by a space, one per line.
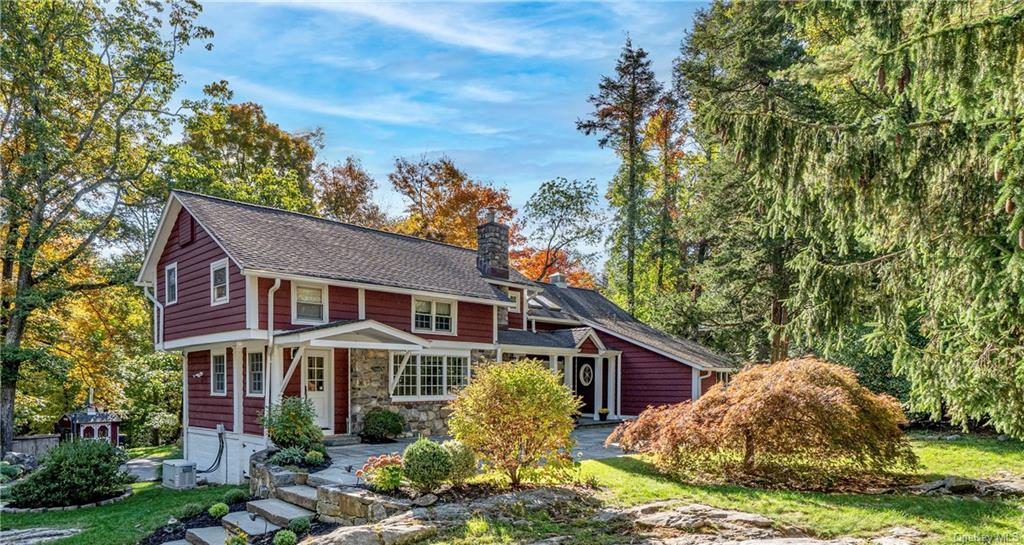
pixel 492 247
pixel 558 279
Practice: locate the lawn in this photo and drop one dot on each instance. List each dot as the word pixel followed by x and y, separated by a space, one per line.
pixel 161 452
pixel 630 481
pixel 121 523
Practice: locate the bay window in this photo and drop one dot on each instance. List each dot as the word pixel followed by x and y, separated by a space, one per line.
pixel 433 316
pixel 427 376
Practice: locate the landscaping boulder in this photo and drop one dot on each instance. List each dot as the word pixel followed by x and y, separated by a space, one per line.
pixel 25 461
pixel 265 477
pixel 32 536
pixel 959 485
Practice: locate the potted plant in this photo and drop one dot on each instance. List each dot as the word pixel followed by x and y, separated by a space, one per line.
pixel 603 414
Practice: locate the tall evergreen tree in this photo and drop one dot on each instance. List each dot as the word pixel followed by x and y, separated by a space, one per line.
pixel 895 147
pixel 621 108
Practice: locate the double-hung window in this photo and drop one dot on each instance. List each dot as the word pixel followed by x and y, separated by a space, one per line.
pixel 219 282
pixel 515 297
pixel 433 316
pixel 218 374
pixel 171 284
pixel 309 304
pixel 427 376
pixel 254 375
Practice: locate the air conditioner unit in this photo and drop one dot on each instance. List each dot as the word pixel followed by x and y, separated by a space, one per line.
pixel 179 474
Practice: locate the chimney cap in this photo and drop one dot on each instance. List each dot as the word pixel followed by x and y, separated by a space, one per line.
pixel 492 214
pixel 558 279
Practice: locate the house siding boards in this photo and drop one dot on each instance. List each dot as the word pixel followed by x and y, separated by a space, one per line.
pixel 588 347
pixel 474 321
pixel 193 314
pixel 204 409
pixel 648 378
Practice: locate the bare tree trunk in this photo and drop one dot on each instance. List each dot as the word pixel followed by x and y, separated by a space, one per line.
pixel 779 313
pixel 748 451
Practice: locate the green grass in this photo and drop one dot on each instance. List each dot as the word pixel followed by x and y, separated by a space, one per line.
pixel 631 481
pixel 122 523
pixel 161 452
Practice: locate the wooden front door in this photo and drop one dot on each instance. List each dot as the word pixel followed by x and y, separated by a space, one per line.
pixel 317 386
pixel 585 375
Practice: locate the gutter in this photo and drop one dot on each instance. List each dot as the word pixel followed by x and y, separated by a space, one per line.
pixel 270 347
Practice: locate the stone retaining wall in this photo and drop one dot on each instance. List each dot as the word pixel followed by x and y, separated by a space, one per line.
pixel 264 477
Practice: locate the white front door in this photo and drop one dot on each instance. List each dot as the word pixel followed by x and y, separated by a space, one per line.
pixel 317 386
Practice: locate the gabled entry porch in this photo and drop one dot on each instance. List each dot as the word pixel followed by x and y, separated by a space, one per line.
pixel 314 363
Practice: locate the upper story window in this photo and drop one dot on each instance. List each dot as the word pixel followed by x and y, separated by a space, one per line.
pixel 516 298
pixel 254 374
pixel 171 284
pixel 219 282
pixel 309 304
pixel 218 374
pixel 433 316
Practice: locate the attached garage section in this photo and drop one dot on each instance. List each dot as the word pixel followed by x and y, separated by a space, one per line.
pixel 648 378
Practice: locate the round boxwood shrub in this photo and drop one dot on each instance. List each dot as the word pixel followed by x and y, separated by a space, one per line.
pixel 218 510
pixel 300 525
pixel 463 461
pixel 292 423
pixel 379 424
pixel 235 495
pixel 189 511
pixel 285 537
pixel 426 464
pixel 314 458
pixel 74 473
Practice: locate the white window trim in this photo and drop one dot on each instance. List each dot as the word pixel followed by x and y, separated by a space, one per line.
pixel 227 282
pixel 295 303
pixel 167 270
pixel 433 301
pixel 222 353
pixel 414 359
pixel 248 373
pixel 517 297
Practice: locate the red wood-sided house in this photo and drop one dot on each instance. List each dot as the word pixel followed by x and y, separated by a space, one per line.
pixel 264 303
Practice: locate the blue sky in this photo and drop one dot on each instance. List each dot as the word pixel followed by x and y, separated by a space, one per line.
pixel 496 86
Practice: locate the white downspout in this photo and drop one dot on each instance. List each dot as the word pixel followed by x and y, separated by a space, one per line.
pixel 270 347
pixel 158 316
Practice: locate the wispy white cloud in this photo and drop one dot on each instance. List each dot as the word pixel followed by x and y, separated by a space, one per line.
pixel 483 92
pixel 475 26
pixel 395 109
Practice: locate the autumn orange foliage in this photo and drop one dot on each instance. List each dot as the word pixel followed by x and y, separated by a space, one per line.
pixel 539 265
pixel 801 423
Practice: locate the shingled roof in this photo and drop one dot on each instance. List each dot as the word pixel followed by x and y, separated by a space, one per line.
pixel 593 309
pixel 268 239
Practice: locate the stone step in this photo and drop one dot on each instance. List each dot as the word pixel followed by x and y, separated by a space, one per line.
pixel 211 535
pixel 341 440
pixel 301 495
pixel 277 511
pixel 176 542
pixel 332 476
pixel 240 521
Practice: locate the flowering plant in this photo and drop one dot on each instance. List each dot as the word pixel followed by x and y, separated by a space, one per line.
pixel 383 473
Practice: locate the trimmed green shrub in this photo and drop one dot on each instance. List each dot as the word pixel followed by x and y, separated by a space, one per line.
pixel 235 495
pixel 292 423
pixel 300 525
pixel 189 510
pixel 73 473
pixel 285 537
pixel 463 461
pixel 380 424
pixel 315 458
pixel 10 471
pixel 536 435
pixel 236 537
pixel 291 456
pixel 218 510
pixel 426 464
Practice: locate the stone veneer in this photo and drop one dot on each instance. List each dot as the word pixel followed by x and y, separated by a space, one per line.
pixel 369 389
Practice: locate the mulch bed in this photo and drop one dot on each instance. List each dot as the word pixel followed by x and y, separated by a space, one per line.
pixel 448 493
pixel 172 532
pixel 315 529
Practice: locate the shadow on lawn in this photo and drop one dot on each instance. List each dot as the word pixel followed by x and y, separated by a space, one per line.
pixel 945 510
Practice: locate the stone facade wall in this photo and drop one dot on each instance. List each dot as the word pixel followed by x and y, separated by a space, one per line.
pixel 369 390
